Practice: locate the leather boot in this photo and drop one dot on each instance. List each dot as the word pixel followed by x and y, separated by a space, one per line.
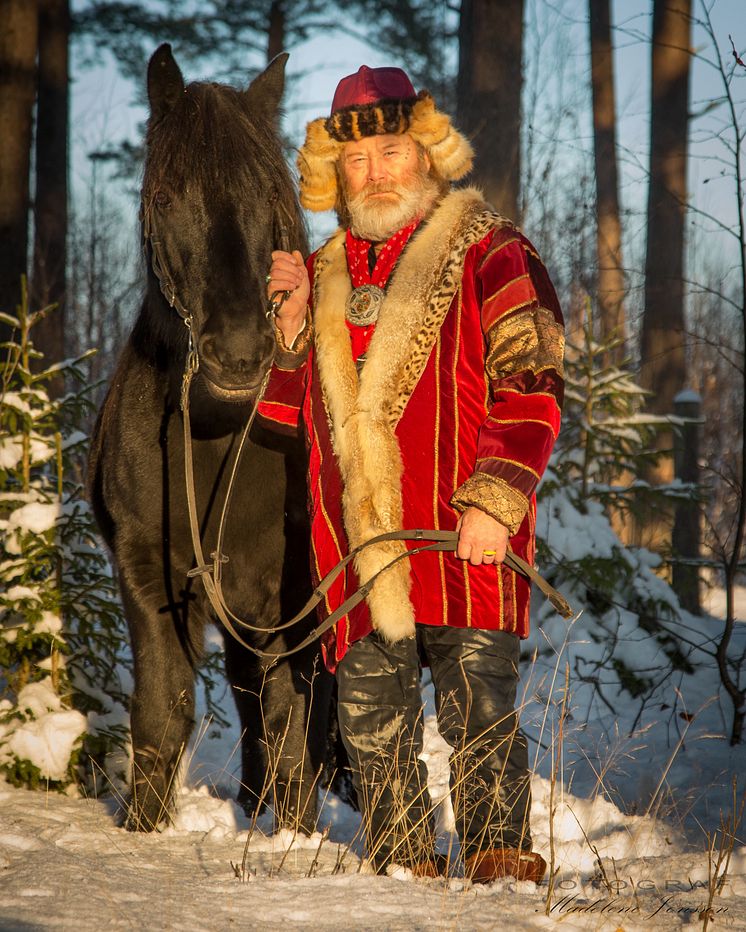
pixel 489 865
pixel 380 720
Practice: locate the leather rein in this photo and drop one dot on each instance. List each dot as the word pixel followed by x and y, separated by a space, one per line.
pixel 211 572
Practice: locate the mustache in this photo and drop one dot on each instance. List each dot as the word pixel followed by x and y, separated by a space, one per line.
pixel 365 197
pixel 381 187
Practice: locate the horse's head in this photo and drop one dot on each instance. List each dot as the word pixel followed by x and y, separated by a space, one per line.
pixel 217 199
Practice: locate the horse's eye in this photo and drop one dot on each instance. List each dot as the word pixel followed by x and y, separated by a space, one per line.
pixel 274 194
pixel 162 200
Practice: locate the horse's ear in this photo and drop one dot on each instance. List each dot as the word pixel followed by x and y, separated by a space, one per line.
pixel 265 91
pixel 165 81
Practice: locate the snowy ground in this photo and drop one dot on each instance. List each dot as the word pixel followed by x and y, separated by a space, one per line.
pixel 64 864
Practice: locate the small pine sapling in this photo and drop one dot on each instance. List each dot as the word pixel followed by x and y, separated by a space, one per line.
pixel 64 677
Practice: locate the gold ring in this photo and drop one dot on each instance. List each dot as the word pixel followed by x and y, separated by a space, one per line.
pixel 489 553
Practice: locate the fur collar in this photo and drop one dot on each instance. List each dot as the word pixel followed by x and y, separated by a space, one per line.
pixel 363 414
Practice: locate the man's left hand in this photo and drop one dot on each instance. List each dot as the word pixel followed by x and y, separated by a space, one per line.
pixel 481 539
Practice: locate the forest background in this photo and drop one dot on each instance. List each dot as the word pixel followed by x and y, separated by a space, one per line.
pixel 612 132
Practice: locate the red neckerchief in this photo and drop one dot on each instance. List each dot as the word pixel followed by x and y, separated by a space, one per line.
pixel 357 264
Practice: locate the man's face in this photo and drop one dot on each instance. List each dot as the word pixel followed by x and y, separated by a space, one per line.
pixel 386 184
pixel 388 160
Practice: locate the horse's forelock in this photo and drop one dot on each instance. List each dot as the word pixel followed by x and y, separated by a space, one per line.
pixel 212 141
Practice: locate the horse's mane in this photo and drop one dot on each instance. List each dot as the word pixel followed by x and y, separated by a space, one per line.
pixel 212 139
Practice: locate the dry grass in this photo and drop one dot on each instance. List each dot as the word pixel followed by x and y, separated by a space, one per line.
pixel 720 845
pixel 557 759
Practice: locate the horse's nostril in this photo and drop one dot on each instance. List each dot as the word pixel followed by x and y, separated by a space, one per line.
pixel 208 351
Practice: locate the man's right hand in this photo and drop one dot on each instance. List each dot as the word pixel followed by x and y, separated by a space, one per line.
pixel 288 273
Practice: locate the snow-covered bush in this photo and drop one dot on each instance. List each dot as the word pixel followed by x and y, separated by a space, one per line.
pixel 62 677
pixel 628 639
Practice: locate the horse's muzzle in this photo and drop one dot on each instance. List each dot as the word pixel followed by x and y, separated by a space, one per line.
pixel 231 393
pixel 233 370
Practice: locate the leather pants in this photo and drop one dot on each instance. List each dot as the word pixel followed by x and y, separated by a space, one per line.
pixel 475 675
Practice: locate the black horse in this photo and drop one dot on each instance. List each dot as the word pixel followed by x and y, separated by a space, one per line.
pixel 217 198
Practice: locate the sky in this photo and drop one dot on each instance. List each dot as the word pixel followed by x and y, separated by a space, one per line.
pixel 556 62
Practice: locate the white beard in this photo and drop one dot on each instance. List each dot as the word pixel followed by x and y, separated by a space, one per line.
pixel 377 219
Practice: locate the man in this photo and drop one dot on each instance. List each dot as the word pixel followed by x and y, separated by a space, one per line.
pixel 426 359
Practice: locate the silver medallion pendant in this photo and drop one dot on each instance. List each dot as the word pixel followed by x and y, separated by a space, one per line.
pixel 364 304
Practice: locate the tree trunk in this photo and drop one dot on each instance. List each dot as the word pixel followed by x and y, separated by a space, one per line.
pixel 663 363
pixel 18 38
pixel 50 207
pixel 276 29
pixel 489 95
pixel 686 534
pixel 611 287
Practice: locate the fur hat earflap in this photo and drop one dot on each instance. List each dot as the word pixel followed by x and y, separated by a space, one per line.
pixel 317 164
pixel 449 150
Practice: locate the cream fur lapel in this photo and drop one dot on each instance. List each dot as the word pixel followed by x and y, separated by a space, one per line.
pixel 363 415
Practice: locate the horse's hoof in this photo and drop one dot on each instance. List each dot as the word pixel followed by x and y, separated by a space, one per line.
pixel 251 807
pixel 137 820
pixel 343 788
pixel 137 823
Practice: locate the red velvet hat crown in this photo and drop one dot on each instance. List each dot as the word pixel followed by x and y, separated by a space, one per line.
pixel 370 85
pixel 371 102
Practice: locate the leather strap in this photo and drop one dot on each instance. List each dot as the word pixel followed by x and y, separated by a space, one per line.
pixel 211 572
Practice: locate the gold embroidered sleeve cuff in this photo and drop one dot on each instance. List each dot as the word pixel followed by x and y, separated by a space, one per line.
pixel 292 357
pixel 493 495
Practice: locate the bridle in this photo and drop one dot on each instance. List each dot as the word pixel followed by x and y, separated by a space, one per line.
pixel 159 267
pixel 166 282
pixel 211 572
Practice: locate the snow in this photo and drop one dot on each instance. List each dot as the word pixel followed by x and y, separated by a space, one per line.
pixel 16 401
pixel 34 518
pixel 48 741
pixel 21 593
pixel 581 535
pixel 34 514
pixel 68 866
pixel 73 439
pixel 647 804
pixel 47 733
pixel 36 699
pixel 49 623
pixel 11 451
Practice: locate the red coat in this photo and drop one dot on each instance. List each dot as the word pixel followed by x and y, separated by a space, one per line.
pixel 458 404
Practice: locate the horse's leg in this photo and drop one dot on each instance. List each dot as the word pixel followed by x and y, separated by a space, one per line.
pixel 296 700
pixel 283 715
pixel 243 672
pixel 162 706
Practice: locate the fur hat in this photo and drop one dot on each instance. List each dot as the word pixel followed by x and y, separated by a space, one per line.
pixel 372 102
